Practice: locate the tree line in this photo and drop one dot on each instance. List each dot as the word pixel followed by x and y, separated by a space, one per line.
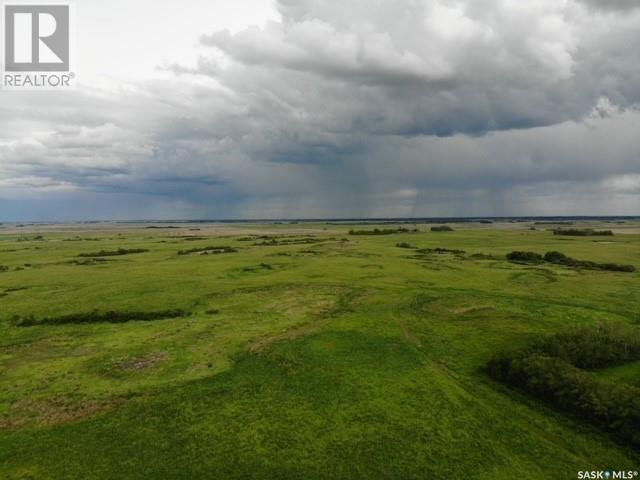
pixel 559 258
pixel 555 370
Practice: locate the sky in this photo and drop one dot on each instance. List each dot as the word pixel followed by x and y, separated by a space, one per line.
pixel 256 109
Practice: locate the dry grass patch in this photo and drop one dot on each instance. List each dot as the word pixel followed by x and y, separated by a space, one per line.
pixel 145 362
pixel 53 411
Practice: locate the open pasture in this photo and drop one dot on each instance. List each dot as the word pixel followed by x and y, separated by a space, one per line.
pixel 297 350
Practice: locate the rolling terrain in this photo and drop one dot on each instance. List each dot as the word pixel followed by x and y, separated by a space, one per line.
pixel 297 351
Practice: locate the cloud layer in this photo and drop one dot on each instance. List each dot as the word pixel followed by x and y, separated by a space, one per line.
pixel 359 108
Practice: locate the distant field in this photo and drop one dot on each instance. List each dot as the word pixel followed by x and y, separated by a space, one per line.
pixel 296 351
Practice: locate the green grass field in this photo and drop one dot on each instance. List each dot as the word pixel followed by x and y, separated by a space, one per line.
pixel 317 355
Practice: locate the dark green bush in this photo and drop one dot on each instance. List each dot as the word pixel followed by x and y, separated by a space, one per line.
pixel 525 257
pixel 4 268
pixel 208 250
pixel 442 228
pixel 584 232
pixel 594 347
pixel 551 370
pixel 614 267
pixel 555 257
pixel 113 253
pixel 613 407
pixel 561 259
pixel 99 317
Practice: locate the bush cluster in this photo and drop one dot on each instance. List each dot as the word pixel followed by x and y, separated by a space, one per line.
pixel 113 253
pixel 552 371
pixel 4 268
pixel 590 348
pixel 525 257
pixel 99 317
pixel 582 232
pixel 208 250
pixel 442 228
pixel 559 258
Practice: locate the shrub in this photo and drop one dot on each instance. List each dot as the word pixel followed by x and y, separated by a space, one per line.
pixel 555 257
pixel 113 253
pixel 585 232
pixel 551 370
pixel 594 347
pixel 559 258
pixel 613 407
pixel 100 317
pixel 442 228
pixel 614 267
pixel 404 245
pixel 4 268
pixel 208 250
pixel 525 257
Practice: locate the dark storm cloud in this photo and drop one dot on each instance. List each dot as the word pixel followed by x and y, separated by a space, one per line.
pixel 434 107
pixel 437 68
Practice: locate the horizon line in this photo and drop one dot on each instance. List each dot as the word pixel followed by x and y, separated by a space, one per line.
pixel 329 219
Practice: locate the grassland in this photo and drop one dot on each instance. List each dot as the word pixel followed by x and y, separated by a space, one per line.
pixel 300 352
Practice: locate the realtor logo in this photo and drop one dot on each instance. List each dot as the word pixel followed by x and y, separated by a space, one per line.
pixel 37 46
